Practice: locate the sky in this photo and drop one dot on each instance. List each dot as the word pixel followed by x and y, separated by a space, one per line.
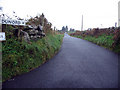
pixel 96 13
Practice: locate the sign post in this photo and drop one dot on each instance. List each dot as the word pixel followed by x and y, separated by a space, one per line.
pixel 1 50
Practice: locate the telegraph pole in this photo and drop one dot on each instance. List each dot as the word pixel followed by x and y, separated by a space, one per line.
pixel 82 24
pixel 119 14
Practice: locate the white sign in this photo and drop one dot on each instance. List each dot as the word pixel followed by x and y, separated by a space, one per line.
pixel 2 36
pixel 13 22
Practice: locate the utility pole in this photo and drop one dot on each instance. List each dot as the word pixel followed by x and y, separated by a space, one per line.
pixel 82 24
pixel 119 14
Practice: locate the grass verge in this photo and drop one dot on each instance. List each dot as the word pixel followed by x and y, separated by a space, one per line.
pixel 20 57
pixel 105 41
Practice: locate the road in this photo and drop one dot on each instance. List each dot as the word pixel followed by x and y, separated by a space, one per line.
pixel 78 64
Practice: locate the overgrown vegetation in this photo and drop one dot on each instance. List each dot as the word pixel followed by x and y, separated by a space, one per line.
pixel 19 56
pixel 108 38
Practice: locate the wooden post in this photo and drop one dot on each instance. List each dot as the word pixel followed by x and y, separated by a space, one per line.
pixel 18 32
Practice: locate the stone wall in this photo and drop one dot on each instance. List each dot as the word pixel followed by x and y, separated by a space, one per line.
pixel 24 32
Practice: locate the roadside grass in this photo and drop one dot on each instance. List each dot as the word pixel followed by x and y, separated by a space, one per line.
pixel 103 40
pixel 20 57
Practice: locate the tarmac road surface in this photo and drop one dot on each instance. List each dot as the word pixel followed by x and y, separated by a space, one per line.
pixel 79 64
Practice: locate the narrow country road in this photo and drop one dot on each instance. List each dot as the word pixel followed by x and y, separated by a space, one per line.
pixel 79 64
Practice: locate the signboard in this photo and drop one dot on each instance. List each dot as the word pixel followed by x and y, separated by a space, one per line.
pixel 2 36
pixel 13 22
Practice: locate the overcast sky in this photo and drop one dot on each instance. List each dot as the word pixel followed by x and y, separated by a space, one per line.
pixel 96 13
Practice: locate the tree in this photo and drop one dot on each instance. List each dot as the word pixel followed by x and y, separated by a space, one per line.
pixel 63 29
pixel 66 29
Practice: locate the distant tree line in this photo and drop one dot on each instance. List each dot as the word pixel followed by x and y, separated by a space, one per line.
pixel 72 30
pixel 65 29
